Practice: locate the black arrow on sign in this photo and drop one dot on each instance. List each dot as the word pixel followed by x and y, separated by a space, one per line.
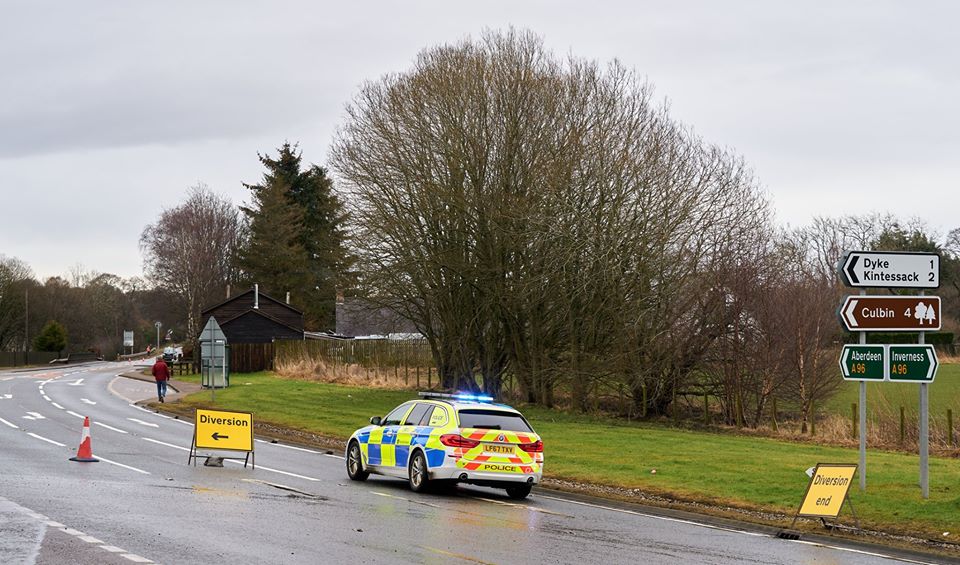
pixel 850 274
pixel 217 436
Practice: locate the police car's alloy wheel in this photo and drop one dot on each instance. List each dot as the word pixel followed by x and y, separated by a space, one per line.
pixel 418 472
pixel 355 463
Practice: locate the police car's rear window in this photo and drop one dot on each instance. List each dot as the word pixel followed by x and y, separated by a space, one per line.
pixel 493 420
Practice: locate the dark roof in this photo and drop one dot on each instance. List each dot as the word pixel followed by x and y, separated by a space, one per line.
pixel 359 316
pixel 242 294
pixel 260 313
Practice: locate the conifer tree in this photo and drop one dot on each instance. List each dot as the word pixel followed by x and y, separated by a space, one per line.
pixel 296 241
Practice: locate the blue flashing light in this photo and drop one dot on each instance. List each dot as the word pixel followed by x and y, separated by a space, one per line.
pixel 474 397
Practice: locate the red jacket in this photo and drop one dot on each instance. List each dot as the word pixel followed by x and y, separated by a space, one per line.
pixel 160 371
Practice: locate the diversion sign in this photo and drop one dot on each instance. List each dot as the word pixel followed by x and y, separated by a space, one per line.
pixel 217 429
pixel 827 490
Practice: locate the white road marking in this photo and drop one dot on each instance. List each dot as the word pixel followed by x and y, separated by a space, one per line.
pixel 136 558
pixel 57 405
pixel 89 539
pixel 110 427
pixel 7 396
pixel 14 426
pixel 45 439
pixel 73 532
pixel 180 447
pixel 862 552
pixel 72 413
pixel 53 524
pixel 47 398
pixel 87 401
pixel 524 506
pixel 288 446
pixel 121 465
pixel 234 461
pixel 7 378
pixel 112 549
pixel 34 416
pixel 141 422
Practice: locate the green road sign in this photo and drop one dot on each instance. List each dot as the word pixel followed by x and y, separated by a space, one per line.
pixel 863 362
pixel 913 363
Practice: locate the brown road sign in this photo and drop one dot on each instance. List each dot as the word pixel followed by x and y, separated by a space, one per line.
pixel 891 313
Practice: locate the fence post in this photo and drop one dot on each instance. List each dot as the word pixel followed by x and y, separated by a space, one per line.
pixel 776 428
pixel 406 375
pixel 813 420
pixel 706 409
pixel 418 377
pixel 901 426
pixel 853 418
pixel 430 377
pixel 739 408
pixel 950 426
pixel 644 389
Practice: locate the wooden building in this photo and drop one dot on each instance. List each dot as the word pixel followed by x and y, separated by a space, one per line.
pixel 252 321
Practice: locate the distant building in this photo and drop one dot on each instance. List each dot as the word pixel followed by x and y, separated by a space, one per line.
pixel 254 317
pixel 360 318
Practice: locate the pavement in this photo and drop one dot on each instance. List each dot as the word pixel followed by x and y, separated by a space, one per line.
pixel 180 388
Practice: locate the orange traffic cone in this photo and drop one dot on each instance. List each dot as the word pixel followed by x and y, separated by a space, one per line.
pixel 85 451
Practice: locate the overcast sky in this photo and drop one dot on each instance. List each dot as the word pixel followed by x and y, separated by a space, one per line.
pixel 109 112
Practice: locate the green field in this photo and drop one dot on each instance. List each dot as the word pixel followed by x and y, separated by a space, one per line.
pixel 727 469
pixel 944 393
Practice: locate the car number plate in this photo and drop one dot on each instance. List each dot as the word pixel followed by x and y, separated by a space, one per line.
pixel 494 448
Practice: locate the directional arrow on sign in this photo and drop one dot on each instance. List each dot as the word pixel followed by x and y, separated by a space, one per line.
pixel 863 362
pixel 884 269
pixel 218 437
pixel 916 363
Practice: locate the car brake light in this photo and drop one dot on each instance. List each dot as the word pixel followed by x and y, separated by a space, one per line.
pixel 457 440
pixel 535 447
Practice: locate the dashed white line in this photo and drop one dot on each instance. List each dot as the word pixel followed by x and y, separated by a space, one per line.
pixel 136 558
pixel 72 413
pixel 14 426
pixel 41 438
pixel 288 446
pixel 180 447
pixel 34 416
pixel 47 398
pixel 57 405
pixel 89 539
pixel 53 524
pixel 87 401
pixel 141 422
pixel 112 549
pixel 101 424
pixel 333 455
pixel 105 460
pixel 235 462
pixel 73 532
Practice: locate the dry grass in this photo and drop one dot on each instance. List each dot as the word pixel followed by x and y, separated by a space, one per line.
pixel 317 370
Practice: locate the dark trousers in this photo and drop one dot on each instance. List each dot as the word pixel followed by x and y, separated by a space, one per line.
pixel 161 388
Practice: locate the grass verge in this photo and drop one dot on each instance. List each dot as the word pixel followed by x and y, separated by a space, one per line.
pixel 718 468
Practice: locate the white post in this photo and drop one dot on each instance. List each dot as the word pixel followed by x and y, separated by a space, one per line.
pixel 924 432
pixel 863 420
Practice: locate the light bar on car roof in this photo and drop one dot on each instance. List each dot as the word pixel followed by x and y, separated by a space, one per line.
pixel 457 396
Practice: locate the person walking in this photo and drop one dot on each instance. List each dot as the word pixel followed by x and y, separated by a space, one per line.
pixel 162 374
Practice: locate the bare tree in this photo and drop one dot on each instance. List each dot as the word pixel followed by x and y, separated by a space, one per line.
pixel 190 249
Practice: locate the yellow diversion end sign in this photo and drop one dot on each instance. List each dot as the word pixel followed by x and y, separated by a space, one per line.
pixel 216 429
pixel 827 490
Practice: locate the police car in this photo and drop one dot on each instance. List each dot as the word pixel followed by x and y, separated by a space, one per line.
pixel 449 438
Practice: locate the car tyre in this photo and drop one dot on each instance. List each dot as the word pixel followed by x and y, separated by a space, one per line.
pixel 355 463
pixel 418 473
pixel 520 491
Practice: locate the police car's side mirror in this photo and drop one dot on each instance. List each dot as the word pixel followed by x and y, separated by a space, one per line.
pixel 375 420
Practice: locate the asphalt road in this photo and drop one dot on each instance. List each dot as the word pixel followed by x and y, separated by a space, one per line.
pixel 143 504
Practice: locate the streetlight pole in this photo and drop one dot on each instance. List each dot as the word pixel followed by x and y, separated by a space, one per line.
pixel 158 324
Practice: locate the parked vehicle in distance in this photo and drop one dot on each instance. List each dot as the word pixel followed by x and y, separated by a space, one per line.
pixel 173 354
pixel 450 438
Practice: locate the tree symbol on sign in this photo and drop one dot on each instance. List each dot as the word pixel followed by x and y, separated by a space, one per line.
pixel 920 312
pixel 931 315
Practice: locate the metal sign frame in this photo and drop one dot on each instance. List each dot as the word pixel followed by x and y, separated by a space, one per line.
pixel 846 496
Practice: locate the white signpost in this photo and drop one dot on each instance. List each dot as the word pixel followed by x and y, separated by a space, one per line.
pixel 884 269
pixel 127 338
